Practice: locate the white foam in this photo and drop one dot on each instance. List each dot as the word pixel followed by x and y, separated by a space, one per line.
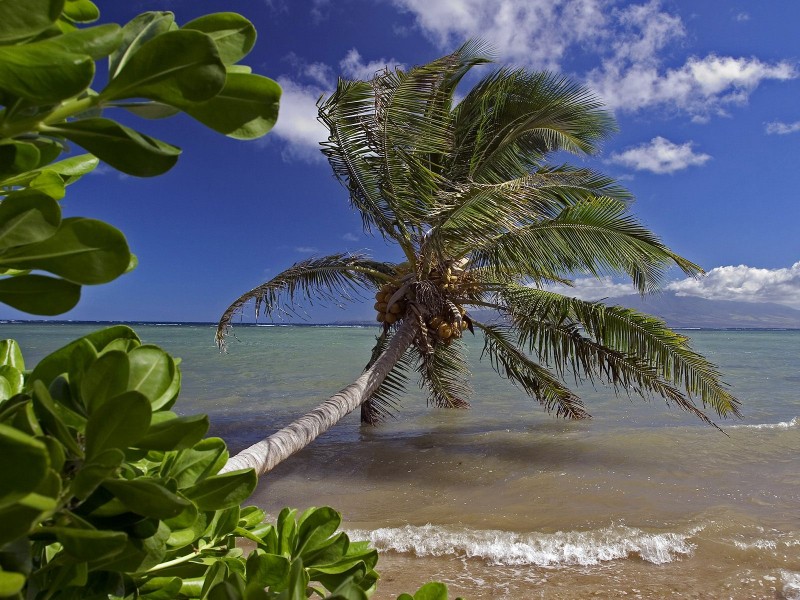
pixel 541 549
pixel 791 585
pixel 782 425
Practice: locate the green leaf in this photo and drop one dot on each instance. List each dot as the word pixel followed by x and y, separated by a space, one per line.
pixel 27 219
pixel 118 423
pixel 106 378
pixel 49 183
pixel 89 544
pixel 161 588
pixel 17 519
pixel 17 157
pixel 81 11
pixel 11 355
pixel 147 497
pixel 233 34
pixel 148 110
pixel 121 147
pixel 93 472
pixel 24 463
pixel 97 42
pixel 39 295
pixel 265 569
pixel 58 362
pixel 20 19
pixel 171 432
pixel 10 583
pixel 222 491
pixel 135 34
pixel 51 416
pixel 298 580
pixel 315 528
pixel 193 465
pixel 246 108
pixel 430 591
pixel 154 374
pixel 43 73
pixel 176 68
pixel 68 171
pixel 84 251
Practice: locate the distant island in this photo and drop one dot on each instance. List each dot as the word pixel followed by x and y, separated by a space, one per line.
pixel 691 311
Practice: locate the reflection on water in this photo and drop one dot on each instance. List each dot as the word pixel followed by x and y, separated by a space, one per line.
pixel 502 501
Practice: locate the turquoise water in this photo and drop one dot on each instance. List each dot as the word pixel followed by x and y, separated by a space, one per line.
pixel 503 501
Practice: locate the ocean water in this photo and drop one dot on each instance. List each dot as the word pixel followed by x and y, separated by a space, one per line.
pixel 504 501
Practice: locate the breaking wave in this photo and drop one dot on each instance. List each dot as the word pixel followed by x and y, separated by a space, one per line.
pixel 541 549
pixel 782 425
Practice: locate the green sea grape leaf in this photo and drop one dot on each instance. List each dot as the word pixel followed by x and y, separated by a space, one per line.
pixel 171 432
pixel 81 11
pixel 135 34
pixel 20 19
pixel 223 491
pixel 68 170
pixel 147 497
pixel 49 183
pixel 43 73
pixel 161 588
pixel 431 591
pixel 251 516
pixel 89 544
pixel 17 157
pixel 121 147
pixel 84 251
pixel 315 528
pixel 287 531
pixel 39 294
pixel 206 458
pixel 100 467
pixel 232 33
pixel 298 580
pixel 149 110
pixel 10 583
pixel 17 519
pixel 50 413
pixel 24 463
pixel 117 423
pixel 96 42
pixel 153 373
pixel 58 362
pixel 246 108
pixel 11 354
pixel 265 569
pixel 106 378
pixel 176 68
pixel 28 218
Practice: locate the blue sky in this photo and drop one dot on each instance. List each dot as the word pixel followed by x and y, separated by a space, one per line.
pixel 705 94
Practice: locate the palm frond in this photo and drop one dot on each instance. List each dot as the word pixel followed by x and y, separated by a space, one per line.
pixel 511 119
pixel 351 150
pixel 474 213
pixel 595 237
pixel 630 350
pixel 536 381
pixel 445 373
pixel 385 400
pixel 334 278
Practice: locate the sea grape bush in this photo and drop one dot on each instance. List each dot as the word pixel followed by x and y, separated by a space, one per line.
pixel 111 494
pixel 106 492
pixel 156 69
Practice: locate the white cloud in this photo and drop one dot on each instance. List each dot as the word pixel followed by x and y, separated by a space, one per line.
pixel 746 284
pixel 353 65
pixel 660 156
pixel 306 249
pixel 701 87
pixel 629 45
pixel 350 237
pixel 297 121
pixel 742 17
pixel 590 288
pixel 776 127
pixel 532 32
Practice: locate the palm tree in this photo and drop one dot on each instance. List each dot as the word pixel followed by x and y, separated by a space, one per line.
pixel 485 222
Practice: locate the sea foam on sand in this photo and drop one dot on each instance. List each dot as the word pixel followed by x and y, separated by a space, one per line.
pixel 540 549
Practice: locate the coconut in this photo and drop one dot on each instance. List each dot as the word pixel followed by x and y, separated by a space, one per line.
pixel 380 318
pixel 390 318
pixel 445 331
pixel 396 308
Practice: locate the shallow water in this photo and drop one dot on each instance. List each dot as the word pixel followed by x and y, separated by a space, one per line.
pixel 503 501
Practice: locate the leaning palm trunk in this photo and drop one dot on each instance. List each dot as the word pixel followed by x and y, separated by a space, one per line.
pixel 269 452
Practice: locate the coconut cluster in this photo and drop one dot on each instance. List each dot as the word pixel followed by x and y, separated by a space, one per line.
pixel 446 328
pixel 390 305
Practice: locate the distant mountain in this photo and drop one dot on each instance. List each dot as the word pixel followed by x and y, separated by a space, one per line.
pixel 691 311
